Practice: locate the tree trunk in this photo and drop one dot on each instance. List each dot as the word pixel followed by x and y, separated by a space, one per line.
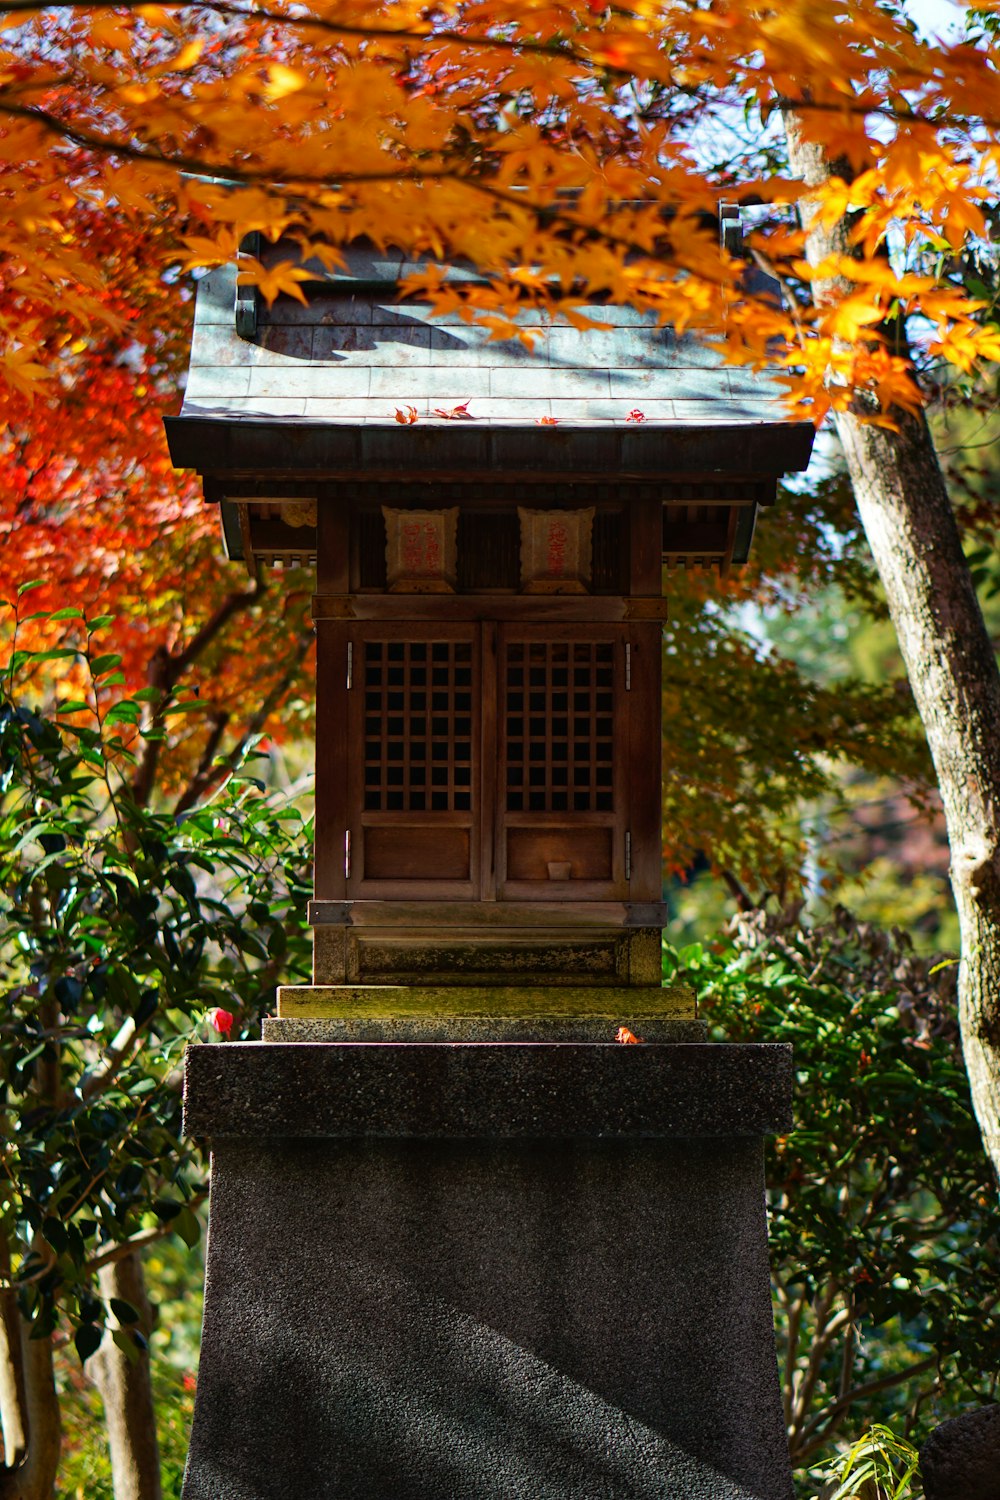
pixel 127 1389
pixel 910 524
pixel 34 1477
pixel 13 1397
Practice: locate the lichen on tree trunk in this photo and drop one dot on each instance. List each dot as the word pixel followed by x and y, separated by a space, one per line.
pixel 910 524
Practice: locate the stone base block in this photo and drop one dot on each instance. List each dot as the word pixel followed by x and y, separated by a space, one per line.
pixel 487 1272
pixel 655 1028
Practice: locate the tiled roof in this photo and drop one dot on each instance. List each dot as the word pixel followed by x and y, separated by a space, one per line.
pixel 354 354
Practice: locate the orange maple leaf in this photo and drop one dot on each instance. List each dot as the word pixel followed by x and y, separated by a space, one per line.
pixel 455 413
pixel 407 415
pixel 629 1037
pixel 547 421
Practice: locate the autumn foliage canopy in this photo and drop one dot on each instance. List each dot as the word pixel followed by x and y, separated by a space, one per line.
pixel 569 150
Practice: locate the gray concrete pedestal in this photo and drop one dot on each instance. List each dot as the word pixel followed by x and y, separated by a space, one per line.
pixel 487 1272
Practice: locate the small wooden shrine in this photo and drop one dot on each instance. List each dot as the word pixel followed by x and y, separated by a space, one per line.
pixel 536 1267
pixel 491 524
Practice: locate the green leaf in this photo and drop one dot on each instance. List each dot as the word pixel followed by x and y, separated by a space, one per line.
pixel 58 653
pixel 87 1340
pixel 123 1311
pixel 99 622
pixel 186 1225
pixel 36 583
pixel 69 613
pixel 105 662
pixel 55 1232
pixel 126 1343
pixel 125 712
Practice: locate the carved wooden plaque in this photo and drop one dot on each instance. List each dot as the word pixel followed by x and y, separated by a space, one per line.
pixel 556 549
pixel 299 513
pixel 421 550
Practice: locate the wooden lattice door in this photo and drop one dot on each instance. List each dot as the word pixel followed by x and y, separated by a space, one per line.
pixel 414 715
pixel 562 825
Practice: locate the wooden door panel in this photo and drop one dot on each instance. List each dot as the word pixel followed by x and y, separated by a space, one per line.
pixel 562 787
pixel 560 854
pixel 414 734
pixel 396 852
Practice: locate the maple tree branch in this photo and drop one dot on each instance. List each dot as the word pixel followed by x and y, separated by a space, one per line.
pixel 209 770
pixel 203 775
pixel 165 670
pixel 515 47
pixel 204 636
pixel 198 166
pixel 543 213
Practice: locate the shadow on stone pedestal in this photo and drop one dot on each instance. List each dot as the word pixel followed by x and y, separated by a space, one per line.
pixel 961 1458
pixel 487 1272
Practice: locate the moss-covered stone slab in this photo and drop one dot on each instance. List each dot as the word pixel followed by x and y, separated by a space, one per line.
pixel 399 1001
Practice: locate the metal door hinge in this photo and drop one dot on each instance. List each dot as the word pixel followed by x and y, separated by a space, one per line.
pixel 628 856
pixel 347 855
pixel 628 666
pixel 350 665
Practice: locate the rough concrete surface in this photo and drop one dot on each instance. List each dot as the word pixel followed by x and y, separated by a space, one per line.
pixel 961 1458
pixel 474 1320
pixel 491 1090
pixel 651 1028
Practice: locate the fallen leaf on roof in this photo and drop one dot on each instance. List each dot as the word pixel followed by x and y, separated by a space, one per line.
pixel 455 413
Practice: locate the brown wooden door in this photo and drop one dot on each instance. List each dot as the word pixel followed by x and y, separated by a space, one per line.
pixel 413 782
pixel 562 787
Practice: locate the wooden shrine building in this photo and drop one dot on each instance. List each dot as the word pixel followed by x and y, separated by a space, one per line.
pixel 491 577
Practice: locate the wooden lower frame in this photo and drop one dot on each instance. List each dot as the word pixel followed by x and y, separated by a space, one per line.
pixel 550 955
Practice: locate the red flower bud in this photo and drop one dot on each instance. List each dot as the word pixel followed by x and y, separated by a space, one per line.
pixel 222 1020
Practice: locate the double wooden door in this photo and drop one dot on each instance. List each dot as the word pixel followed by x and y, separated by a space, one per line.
pixel 487 761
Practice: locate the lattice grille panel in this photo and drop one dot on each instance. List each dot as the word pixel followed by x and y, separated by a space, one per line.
pixel 560 726
pixel 418 726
